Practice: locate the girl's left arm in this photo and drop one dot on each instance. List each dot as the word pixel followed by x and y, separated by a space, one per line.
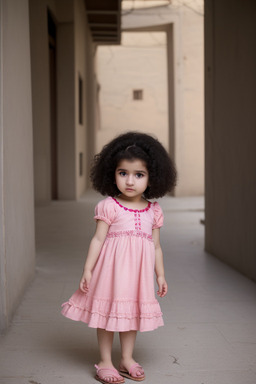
pixel 159 265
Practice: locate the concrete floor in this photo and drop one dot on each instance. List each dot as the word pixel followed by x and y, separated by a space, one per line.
pixel 210 312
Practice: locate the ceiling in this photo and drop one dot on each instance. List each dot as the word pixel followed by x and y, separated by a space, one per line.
pixel 104 19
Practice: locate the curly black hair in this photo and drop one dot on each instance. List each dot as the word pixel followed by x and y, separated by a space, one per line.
pixel 134 145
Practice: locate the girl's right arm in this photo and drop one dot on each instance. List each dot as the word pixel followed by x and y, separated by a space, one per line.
pixel 93 254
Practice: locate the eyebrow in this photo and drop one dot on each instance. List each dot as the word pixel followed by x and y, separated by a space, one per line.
pixel 136 171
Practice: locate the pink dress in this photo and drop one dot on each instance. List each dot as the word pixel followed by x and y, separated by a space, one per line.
pixel 121 295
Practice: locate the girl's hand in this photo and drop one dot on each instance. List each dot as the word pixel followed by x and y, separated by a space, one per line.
pixel 162 286
pixel 85 281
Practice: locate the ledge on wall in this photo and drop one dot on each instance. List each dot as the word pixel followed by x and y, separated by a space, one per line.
pixel 104 19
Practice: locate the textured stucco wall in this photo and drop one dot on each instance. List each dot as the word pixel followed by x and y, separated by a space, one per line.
pixel 139 63
pixel 230 40
pixel 179 122
pixel 17 195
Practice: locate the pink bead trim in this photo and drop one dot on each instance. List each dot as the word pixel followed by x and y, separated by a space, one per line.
pixel 130 233
pixel 133 210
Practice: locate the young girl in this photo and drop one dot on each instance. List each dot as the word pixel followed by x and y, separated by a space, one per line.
pixel 116 291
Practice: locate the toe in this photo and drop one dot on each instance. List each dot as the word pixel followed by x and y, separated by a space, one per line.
pixel 140 373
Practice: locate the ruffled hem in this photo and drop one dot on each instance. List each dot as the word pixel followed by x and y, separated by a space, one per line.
pixel 116 316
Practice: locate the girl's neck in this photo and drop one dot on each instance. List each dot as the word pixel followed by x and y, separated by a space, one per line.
pixel 137 202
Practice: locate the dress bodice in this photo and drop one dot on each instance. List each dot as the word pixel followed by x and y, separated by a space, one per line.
pixel 122 219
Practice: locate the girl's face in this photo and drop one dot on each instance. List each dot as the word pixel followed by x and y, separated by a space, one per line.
pixel 132 178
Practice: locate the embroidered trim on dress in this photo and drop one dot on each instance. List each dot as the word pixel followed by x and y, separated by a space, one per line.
pixel 130 233
pixel 133 210
pixel 107 308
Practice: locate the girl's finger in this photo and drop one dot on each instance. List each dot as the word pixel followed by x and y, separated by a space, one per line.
pixel 165 289
pixel 160 290
pixel 83 286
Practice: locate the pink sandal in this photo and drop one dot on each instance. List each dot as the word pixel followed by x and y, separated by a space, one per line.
pixel 103 373
pixel 132 373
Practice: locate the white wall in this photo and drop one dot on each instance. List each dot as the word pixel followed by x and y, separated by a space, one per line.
pixel 16 172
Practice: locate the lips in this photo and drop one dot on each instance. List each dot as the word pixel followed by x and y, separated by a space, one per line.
pixel 129 189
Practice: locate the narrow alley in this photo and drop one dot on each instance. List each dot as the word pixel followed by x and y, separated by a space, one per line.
pixel 209 335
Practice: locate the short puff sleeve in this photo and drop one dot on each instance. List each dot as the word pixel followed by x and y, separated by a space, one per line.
pixel 105 210
pixel 158 216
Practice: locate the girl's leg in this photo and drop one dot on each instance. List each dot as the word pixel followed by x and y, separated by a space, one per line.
pixel 127 340
pixel 105 341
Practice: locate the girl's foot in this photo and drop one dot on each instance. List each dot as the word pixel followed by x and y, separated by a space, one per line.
pixel 131 370
pixel 108 375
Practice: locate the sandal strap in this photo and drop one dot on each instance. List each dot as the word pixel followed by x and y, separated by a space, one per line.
pixel 103 372
pixel 136 367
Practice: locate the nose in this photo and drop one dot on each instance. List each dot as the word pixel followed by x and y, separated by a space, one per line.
pixel 129 180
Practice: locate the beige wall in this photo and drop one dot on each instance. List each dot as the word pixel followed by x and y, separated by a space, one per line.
pixel 139 63
pixel 66 112
pixel 40 94
pixel 184 28
pixel 190 134
pixel 16 159
pixel 81 50
pixel 92 103
pixel 24 45
pixel 73 48
pixel 64 16
pixel 230 40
